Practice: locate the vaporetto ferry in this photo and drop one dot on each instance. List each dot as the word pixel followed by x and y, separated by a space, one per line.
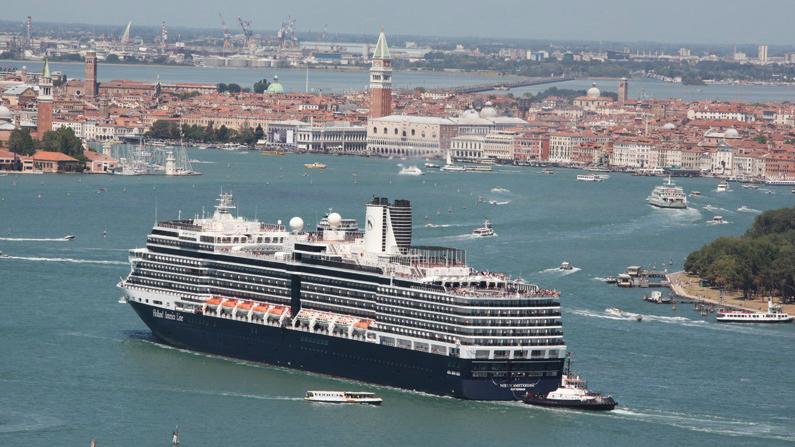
pixel 365 305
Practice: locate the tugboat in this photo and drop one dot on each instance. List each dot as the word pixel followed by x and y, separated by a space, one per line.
pixel 572 393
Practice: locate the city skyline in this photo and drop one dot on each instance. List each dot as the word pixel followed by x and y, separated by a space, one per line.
pixel 676 21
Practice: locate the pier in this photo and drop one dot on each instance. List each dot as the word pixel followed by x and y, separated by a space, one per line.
pixel 526 82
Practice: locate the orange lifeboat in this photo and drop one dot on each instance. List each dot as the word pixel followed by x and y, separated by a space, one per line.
pixel 276 312
pixel 244 307
pixel 213 303
pixel 362 325
pixel 260 309
pixel 228 305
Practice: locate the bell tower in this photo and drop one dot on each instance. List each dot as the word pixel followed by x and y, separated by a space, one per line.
pixel 90 80
pixel 44 102
pixel 381 79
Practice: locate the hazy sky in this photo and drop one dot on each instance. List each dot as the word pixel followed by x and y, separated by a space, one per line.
pixel 707 21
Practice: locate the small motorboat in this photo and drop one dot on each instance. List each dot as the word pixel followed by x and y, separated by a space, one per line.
pixel 343 397
pixel 485 231
pixel 410 170
pixel 566 266
pixel 430 165
pixel 722 187
pixel 315 165
pixel 572 393
pixel 717 220
pixel 611 280
pixel 69 237
pixel 616 312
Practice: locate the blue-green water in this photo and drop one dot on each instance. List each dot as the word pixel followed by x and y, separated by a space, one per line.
pixel 77 365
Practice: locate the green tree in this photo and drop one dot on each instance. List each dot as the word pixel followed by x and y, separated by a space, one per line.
pixel 20 142
pixel 233 88
pixel 259 133
pixel 261 86
pixel 164 130
pixel 63 140
pixel 221 87
pixel 223 134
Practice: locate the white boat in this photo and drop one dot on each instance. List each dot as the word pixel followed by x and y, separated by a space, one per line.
pixel 616 312
pixel 485 231
pixel 343 397
pixel 589 178
pixel 773 315
pixel 781 182
pixel 315 165
pixel 657 297
pixel 548 171
pixel 668 195
pixel 478 167
pixel 410 170
pixel 449 166
pixel 566 266
pixel 430 165
pixel 717 220
pixel 722 187
pixel 68 237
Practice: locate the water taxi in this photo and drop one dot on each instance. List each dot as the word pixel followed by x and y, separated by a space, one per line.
pixel 315 165
pixel 773 315
pixel 717 220
pixel 722 187
pixel 410 170
pixel 566 266
pixel 485 231
pixel 69 237
pixel 343 397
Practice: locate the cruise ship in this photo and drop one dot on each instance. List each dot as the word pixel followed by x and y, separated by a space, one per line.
pixel 668 195
pixel 364 305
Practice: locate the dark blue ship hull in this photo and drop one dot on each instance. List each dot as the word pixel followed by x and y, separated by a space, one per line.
pixel 352 359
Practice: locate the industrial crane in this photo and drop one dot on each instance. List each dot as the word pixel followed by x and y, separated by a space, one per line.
pixel 227 34
pixel 246 26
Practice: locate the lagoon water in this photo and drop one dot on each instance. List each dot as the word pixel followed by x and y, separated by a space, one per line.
pixel 77 365
pixel 342 81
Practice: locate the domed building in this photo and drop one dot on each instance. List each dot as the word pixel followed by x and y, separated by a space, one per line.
pixel 488 111
pixel 275 86
pixel 6 125
pixel 593 99
pixel 469 114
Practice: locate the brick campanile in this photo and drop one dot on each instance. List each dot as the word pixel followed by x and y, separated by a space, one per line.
pixel 90 79
pixel 44 102
pixel 381 80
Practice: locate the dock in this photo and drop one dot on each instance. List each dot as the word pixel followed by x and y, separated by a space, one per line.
pixel 688 287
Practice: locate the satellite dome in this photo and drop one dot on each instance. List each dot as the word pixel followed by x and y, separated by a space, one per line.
pixel 334 220
pixel 5 114
pixel 593 92
pixel 488 111
pixel 296 224
pixel 731 133
pixel 669 126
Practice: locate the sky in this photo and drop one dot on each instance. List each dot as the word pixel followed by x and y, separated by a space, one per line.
pixel 685 21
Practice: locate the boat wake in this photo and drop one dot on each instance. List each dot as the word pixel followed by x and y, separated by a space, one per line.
pixel 599 278
pixel 745 209
pixel 499 190
pixel 714 208
pixel 560 272
pixel 430 225
pixel 34 239
pixel 201 162
pixel 20 423
pixel 69 260
pixel 708 423
pixel 499 202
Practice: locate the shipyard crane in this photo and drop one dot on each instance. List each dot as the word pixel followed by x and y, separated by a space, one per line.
pixel 246 26
pixel 227 34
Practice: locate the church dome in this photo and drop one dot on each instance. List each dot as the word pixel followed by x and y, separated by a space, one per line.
pixel 669 126
pixel 731 133
pixel 275 86
pixel 5 114
pixel 488 111
pixel 593 92
pixel 470 114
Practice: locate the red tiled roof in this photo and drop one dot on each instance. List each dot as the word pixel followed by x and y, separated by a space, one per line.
pixel 51 156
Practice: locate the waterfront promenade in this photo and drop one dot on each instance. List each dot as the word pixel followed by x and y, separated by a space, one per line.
pixel 687 286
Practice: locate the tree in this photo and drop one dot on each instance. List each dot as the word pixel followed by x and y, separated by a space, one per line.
pixel 20 142
pixel 112 59
pixel 233 88
pixel 63 140
pixel 164 130
pixel 223 134
pixel 259 133
pixel 221 87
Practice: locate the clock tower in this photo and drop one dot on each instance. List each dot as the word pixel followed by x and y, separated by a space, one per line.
pixel 381 80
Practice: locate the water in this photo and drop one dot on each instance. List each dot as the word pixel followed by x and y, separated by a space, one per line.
pixel 341 81
pixel 292 79
pixel 77 365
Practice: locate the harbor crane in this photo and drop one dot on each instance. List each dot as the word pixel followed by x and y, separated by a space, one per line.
pixel 227 34
pixel 246 26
